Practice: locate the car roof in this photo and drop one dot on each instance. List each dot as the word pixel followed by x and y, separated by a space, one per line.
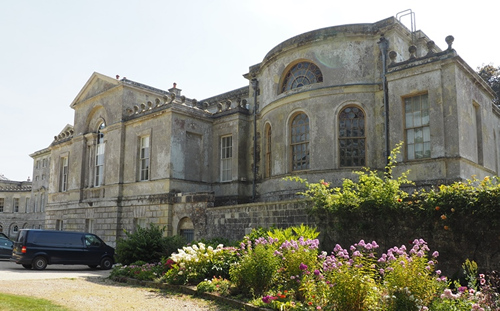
pixel 2 235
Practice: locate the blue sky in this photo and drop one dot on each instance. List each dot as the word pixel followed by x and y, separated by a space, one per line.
pixel 50 48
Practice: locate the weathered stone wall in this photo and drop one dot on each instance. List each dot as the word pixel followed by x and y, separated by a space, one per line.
pixel 465 241
pixel 233 222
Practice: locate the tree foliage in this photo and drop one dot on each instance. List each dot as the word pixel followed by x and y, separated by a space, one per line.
pixel 491 75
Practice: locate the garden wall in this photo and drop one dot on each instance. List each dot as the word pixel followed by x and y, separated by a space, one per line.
pixel 456 244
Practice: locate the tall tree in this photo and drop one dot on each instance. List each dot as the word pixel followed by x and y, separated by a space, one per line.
pixel 491 75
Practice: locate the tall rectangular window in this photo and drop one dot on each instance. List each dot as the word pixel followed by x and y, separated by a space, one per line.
pixel 418 134
pixel 268 151
pixel 42 202
pixel 479 134
pixel 352 138
pixel 89 225
pixel 99 162
pixel 299 143
pixel 139 223
pixel 2 203
pixel 59 225
pixel 26 207
pixel 16 205
pixel 144 158
pixel 63 179
pixel 226 158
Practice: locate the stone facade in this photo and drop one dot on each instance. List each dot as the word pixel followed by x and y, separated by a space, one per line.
pixel 15 207
pixel 319 106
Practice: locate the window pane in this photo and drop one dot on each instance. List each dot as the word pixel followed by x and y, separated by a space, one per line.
pixel 351 137
pixel 409 119
pixel 426 133
pixel 411 152
pixel 417 129
pixel 301 74
pixel 427 150
pixel 417 119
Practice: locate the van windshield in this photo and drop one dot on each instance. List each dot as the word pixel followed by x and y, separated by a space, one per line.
pixel 92 241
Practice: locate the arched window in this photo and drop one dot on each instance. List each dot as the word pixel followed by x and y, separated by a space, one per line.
pixel 267 149
pixel 299 143
pixel 186 229
pixel 99 157
pixel 301 74
pixel 352 137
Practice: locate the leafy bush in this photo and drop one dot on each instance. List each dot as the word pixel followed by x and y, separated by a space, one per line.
pixel 141 270
pixel 146 244
pixel 256 270
pixel 198 262
pixel 373 191
pixel 215 285
pixel 293 233
pixel 355 280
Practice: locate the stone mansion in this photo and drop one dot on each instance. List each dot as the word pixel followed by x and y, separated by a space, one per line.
pixel 319 105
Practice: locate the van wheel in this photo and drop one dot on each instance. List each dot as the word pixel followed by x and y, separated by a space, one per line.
pixel 28 267
pixel 39 263
pixel 106 263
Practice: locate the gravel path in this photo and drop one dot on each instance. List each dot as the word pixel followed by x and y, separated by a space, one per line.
pixel 100 294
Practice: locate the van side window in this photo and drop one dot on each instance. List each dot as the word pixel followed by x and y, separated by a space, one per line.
pixel 92 241
pixel 51 239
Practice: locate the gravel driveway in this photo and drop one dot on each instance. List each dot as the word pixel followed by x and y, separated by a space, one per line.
pixel 84 289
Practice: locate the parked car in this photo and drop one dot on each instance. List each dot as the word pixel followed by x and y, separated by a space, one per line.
pixel 38 248
pixel 6 246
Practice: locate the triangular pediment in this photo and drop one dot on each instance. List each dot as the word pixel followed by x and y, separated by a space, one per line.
pixel 96 85
pixel 65 134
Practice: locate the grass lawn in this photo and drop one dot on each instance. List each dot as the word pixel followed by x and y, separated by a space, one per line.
pixel 14 302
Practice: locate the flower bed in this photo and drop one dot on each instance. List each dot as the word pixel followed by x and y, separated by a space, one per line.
pixel 293 274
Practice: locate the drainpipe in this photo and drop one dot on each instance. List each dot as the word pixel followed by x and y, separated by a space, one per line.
pixel 383 44
pixel 255 86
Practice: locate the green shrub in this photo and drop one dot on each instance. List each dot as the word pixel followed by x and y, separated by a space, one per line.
pixel 141 270
pixel 215 285
pixel 255 272
pixel 146 244
pixel 197 262
pixel 293 233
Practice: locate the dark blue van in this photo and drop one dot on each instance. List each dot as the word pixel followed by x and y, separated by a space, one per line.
pixel 38 248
